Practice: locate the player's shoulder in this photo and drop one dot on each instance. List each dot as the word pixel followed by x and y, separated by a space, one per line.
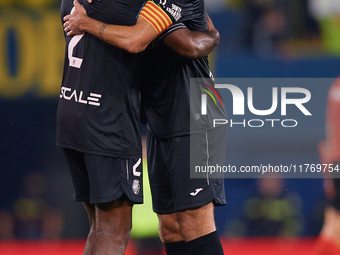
pixel 170 2
pixel 177 9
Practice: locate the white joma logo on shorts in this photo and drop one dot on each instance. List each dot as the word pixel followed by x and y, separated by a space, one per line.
pixel 196 192
pixel 68 94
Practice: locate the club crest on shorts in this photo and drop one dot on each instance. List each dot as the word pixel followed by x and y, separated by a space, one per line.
pixel 135 187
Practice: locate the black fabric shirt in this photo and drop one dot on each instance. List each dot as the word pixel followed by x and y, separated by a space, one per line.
pixel 171 103
pixel 98 110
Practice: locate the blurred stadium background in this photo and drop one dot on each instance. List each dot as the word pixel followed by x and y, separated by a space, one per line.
pixel 259 38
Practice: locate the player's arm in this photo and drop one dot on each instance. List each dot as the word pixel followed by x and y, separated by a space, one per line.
pixel 193 44
pixel 131 38
pixel 136 38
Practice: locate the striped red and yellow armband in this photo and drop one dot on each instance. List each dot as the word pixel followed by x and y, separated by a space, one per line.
pixel 156 16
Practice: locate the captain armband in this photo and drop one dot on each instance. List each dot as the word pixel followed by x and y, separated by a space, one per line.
pixel 156 17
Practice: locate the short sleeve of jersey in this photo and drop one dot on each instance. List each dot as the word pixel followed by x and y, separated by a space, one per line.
pixel 170 30
pixel 161 14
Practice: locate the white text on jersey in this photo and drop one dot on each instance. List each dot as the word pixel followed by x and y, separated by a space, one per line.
pixel 69 94
pixel 175 11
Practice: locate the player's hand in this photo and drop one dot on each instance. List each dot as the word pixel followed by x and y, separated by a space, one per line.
pixel 74 21
pixel 90 1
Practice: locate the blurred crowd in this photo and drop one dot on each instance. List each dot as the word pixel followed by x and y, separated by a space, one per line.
pixel 271 211
pixel 285 28
pixel 282 28
pixel 32 215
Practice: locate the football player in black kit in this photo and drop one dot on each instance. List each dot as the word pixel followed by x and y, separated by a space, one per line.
pixel 185 206
pixel 98 128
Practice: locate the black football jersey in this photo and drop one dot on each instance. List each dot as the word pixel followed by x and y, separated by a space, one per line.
pixel 171 103
pixel 98 110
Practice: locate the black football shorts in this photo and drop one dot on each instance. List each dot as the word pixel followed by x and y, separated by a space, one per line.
pixel 169 170
pixel 101 179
